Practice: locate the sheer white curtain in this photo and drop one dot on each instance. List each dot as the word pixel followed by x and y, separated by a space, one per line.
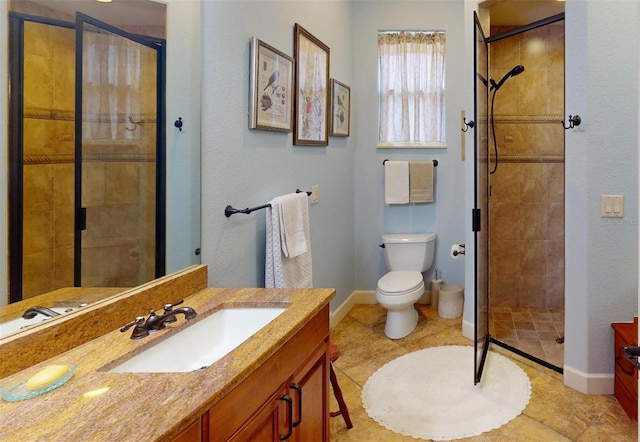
pixel 111 89
pixel 411 88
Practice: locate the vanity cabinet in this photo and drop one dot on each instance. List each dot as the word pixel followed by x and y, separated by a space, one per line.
pixel 626 375
pixel 286 398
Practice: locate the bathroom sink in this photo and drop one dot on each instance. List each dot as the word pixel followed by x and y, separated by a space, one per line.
pixel 202 343
pixel 20 323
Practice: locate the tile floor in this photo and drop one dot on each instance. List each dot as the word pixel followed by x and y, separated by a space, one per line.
pixel 532 330
pixel 554 413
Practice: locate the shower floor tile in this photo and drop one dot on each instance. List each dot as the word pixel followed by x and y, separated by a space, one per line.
pixel 536 330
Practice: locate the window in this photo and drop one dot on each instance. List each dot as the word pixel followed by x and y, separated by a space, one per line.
pixel 411 89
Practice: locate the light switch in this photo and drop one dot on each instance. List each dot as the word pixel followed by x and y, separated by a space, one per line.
pixel 315 194
pixel 612 206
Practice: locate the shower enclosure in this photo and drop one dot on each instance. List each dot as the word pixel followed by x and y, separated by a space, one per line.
pixel 526 189
pixel 86 156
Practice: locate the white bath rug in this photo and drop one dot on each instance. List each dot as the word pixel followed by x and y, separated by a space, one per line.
pixel 429 394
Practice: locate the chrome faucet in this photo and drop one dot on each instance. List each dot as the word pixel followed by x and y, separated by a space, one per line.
pixel 155 322
pixel 31 312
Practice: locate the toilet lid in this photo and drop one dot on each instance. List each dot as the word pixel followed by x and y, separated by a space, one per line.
pixel 400 281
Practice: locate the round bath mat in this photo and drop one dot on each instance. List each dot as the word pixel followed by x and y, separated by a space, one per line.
pixel 429 394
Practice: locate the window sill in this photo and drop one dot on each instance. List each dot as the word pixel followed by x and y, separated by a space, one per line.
pixel 433 145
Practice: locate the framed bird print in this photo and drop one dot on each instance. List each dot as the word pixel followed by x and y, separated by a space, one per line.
pixel 271 88
pixel 311 125
pixel 340 109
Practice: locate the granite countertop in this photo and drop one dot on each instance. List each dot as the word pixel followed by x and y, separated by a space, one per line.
pixel 152 406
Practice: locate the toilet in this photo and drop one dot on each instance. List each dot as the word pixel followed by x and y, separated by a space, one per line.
pixel 407 256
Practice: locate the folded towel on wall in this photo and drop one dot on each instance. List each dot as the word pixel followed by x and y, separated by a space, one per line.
pixel 281 271
pixel 292 224
pixel 421 182
pixel 396 182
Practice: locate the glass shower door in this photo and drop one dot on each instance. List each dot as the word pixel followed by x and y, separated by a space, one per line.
pixel 481 201
pixel 119 157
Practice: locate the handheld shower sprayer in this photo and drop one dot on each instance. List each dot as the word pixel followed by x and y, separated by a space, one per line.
pixel 517 70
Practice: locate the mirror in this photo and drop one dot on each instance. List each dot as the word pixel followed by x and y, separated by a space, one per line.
pixel 137 14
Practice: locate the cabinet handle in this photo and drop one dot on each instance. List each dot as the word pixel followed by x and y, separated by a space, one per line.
pixel 631 354
pixel 625 371
pixel 297 388
pixel 289 401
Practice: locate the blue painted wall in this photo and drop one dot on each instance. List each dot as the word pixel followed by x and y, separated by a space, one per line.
pixel 245 167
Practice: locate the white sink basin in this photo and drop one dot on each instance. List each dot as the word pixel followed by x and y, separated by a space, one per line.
pixel 20 323
pixel 201 344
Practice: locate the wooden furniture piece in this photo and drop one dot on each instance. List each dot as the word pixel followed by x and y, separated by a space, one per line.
pixel 286 398
pixel 334 353
pixel 626 374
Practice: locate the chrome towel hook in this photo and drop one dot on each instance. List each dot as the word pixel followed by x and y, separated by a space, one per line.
pixel 574 120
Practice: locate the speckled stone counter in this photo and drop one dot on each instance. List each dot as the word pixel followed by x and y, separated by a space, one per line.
pixel 152 406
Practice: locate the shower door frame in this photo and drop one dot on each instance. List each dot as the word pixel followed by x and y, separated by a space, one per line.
pixel 489 40
pixel 160 203
pixel 16 144
pixel 482 337
pixel 16 150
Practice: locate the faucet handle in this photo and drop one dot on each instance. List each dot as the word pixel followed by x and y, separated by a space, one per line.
pixel 169 307
pixel 138 321
pixel 140 330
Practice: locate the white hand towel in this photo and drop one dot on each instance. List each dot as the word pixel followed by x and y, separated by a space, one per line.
pixel 421 181
pixel 280 271
pixel 396 182
pixel 292 225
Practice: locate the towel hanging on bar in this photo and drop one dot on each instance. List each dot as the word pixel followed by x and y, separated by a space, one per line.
pixel 421 182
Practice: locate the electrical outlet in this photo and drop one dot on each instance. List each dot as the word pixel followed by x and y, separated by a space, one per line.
pixel 315 194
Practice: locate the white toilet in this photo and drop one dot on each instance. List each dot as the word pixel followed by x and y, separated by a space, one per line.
pixel 407 256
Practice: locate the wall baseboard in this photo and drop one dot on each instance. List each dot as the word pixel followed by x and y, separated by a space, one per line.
pixel 468 330
pixel 357 297
pixel 587 383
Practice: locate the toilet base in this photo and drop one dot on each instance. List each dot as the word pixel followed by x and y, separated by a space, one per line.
pixel 401 323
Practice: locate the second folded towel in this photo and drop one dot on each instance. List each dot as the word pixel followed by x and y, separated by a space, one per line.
pixel 421 182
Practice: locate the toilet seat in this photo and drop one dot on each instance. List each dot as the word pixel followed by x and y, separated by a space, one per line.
pixel 400 282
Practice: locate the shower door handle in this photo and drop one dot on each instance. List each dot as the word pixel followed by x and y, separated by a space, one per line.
pixel 81 218
pixel 631 354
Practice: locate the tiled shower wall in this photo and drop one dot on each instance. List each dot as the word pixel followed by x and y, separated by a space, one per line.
pixel 526 206
pixel 48 159
pixel 121 176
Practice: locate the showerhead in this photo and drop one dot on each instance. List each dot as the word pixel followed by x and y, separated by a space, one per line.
pixel 517 70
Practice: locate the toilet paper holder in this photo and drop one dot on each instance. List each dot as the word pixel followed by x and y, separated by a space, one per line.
pixel 459 252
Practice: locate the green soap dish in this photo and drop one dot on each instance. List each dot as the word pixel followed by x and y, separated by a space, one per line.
pixel 17 391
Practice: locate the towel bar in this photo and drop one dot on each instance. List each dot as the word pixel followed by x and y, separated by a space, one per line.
pixel 228 211
pixel 435 163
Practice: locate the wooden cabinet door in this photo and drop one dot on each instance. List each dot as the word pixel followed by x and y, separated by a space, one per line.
pixel 269 423
pixel 310 394
pixel 193 433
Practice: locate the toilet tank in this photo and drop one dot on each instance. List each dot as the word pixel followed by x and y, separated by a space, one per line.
pixel 412 251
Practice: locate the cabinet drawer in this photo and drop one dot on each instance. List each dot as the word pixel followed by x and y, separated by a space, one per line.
pixel 627 373
pixel 628 401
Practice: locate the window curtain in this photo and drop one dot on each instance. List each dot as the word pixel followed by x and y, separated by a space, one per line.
pixel 411 87
pixel 111 90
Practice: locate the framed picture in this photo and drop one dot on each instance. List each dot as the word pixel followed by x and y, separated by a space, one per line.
pixel 311 125
pixel 340 108
pixel 271 88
